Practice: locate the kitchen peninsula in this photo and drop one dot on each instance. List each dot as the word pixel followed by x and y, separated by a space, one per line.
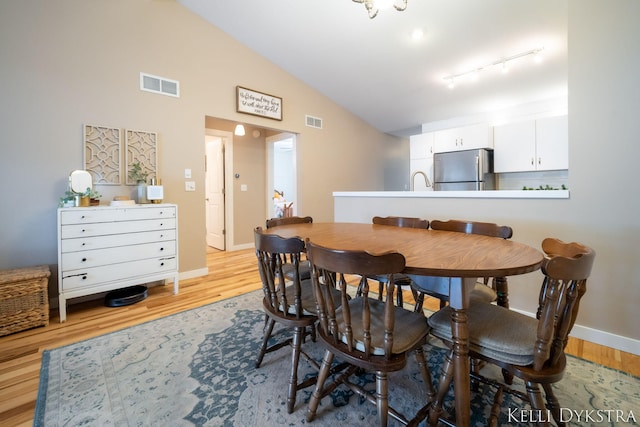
pixel 505 207
pixel 533 215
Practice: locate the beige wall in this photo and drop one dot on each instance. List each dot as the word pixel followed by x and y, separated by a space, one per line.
pixel 72 62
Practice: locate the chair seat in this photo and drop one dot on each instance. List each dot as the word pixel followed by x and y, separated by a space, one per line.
pixel 304 270
pixel 307 299
pixel 488 335
pixel 414 327
pixel 483 293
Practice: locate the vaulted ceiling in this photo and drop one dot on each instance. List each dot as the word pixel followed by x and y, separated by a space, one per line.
pixel 376 70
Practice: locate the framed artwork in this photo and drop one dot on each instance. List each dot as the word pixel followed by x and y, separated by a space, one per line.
pixel 258 104
pixel 102 154
pixel 141 148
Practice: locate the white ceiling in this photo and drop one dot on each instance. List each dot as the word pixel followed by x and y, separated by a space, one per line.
pixel 374 69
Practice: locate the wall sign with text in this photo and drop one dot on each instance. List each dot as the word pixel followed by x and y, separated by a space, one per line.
pixel 258 104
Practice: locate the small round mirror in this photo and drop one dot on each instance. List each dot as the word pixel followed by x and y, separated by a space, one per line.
pixel 80 180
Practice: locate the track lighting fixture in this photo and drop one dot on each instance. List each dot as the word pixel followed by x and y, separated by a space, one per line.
pixel 503 63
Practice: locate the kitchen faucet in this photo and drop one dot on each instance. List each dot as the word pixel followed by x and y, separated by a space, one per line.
pixel 413 178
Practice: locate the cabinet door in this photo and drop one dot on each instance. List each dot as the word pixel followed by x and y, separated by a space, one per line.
pixel 421 165
pixel 421 146
pixel 552 143
pixel 514 147
pixel 476 136
pixel 445 140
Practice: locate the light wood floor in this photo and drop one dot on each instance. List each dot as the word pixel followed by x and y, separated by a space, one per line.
pixel 231 274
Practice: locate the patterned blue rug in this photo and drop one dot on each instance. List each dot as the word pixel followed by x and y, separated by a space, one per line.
pixel 197 368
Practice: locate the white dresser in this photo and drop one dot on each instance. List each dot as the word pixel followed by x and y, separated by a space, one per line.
pixel 104 248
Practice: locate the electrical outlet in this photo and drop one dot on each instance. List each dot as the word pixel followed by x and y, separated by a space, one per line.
pixel 189 186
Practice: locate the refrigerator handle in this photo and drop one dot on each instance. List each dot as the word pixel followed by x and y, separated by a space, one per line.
pixel 478 177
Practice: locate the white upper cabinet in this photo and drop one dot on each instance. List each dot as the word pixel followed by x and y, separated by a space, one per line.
pixel 463 138
pixel 514 147
pixel 533 145
pixel 421 146
pixel 552 143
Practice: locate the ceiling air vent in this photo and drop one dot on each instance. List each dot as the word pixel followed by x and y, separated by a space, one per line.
pixel 159 85
pixel 314 122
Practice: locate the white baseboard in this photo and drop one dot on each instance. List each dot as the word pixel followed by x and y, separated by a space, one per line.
pixel 241 247
pixel 629 345
pixel 193 273
pixel 618 342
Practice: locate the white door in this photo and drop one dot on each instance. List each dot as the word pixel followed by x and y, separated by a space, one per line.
pixel 214 183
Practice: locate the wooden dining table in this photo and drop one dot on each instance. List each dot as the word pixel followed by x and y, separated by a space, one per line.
pixel 443 261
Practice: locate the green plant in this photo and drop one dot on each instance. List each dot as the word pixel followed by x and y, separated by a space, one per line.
pixel 137 174
pixel 91 193
pixel 69 196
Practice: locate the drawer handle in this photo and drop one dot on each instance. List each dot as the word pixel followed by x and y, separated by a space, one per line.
pixel 161 224
pixel 84 277
pixel 82 217
pixel 161 249
pixel 83 230
pixel 83 244
pixel 84 259
pixel 161 264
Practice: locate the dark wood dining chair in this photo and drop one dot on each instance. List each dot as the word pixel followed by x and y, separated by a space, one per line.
pixel 498 290
pixel 288 302
pixel 368 334
pixel 305 268
pixel 531 349
pixel 401 281
pixel 274 222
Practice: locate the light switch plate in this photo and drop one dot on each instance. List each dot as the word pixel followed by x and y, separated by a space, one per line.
pixel 243 187
pixel 189 186
pixel 187 173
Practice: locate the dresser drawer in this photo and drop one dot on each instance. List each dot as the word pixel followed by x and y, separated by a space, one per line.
pixel 90 215
pixel 96 276
pixel 109 228
pixel 98 257
pixel 110 241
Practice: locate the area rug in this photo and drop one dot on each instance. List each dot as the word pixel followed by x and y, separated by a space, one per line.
pixel 197 368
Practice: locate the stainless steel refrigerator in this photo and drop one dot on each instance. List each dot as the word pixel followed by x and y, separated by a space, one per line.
pixel 463 170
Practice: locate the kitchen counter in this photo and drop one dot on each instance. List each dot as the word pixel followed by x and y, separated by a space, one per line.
pixel 489 194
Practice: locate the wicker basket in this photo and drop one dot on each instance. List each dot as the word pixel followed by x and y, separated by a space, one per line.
pixel 24 300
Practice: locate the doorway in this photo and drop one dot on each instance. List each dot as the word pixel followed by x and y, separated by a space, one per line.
pixel 282 190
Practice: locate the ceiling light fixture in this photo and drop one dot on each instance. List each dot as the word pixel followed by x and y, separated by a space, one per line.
pixel 374 6
pixel 502 62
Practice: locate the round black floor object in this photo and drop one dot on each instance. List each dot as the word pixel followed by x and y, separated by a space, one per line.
pixel 125 296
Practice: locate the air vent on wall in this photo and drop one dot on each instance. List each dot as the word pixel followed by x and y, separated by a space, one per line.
pixel 314 122
pixel 159 85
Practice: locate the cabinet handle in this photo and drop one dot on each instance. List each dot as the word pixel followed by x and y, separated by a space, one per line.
pixel 161 249
pixel 532 161
pixel 84 259
pixel 161 264
pixel 82 217
pixel 84 277
pixel 161 224
pixel 539 161
pixel 83 244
